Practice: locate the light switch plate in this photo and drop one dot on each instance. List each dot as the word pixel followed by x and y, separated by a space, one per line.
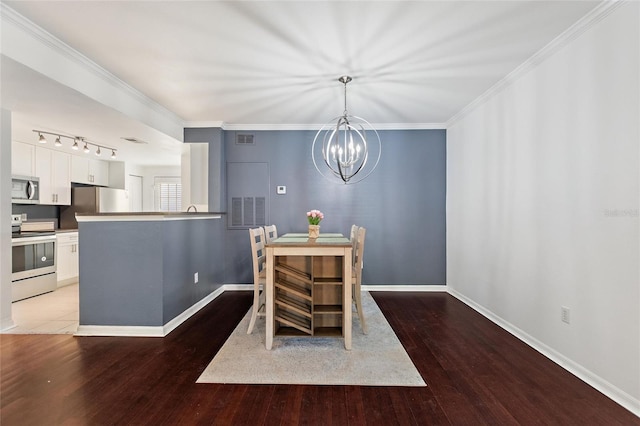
pixel 281 189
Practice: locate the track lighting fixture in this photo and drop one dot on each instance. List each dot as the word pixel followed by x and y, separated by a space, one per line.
pixel 76 141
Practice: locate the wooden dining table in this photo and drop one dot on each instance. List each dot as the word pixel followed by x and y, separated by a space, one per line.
pixel 308 287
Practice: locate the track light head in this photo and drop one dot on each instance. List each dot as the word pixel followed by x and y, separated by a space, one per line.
pixel 42 139
pixel 58 142
pixel 86 148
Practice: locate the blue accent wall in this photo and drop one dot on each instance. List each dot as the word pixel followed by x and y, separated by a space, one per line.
pixel 402 203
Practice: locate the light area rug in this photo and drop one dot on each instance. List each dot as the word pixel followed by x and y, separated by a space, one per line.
pixel 376 359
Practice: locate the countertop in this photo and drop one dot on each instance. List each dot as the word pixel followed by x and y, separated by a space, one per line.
pixel 146 216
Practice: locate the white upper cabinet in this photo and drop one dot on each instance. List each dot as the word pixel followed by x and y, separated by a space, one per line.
pixel 89 171
pixel 23 159
pixel 79 169
pixel 53 169
pixel 99 170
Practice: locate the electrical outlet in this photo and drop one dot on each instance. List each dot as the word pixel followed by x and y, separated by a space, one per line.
pixel 195 278
pixel 565 315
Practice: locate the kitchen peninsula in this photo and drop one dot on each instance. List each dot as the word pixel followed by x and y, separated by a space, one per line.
pixel 145 273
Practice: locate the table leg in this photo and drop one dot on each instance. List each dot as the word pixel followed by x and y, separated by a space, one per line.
pixel 269 300
pixel 346 300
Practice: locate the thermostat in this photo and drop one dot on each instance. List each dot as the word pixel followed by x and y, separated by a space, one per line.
pixel 281 189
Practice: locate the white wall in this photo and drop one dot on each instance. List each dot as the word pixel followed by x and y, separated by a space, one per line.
pixel 195 176
pixel 148 174
pixel 542 209
pixel 5 213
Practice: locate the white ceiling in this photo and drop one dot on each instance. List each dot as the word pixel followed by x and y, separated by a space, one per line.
pixel 414 64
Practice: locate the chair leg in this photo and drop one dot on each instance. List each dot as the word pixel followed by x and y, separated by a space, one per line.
pixel 358 299
pixel 255 308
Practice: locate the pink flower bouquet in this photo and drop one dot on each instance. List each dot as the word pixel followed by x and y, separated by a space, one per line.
pixel 314 217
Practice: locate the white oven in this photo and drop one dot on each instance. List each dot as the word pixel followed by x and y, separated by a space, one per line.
pixel 33 264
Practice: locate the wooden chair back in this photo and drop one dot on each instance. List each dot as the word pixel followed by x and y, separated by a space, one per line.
pixel 358 255
pixel 353 237
pixel 270 233
pixel 258 253
pixel 259 257
pixel 356 276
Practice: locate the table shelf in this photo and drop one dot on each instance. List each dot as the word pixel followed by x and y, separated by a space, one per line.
pixel 327 309
pixel 327 281
pixel 294 272
pixel 294 289
pixel 294 305
pixel 295 321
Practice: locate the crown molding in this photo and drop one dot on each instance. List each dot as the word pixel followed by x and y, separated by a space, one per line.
pixel 597 14
pixel 315 127
pixel 8 15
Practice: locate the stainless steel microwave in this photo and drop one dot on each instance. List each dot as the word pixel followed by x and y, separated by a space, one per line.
pixel 25 190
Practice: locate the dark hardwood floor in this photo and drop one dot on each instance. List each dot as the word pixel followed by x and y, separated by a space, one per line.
pixel 476 374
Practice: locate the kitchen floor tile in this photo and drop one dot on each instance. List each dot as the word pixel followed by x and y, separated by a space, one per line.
pixel 52 313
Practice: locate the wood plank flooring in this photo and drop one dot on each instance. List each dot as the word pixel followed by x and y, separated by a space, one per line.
pixel 476 374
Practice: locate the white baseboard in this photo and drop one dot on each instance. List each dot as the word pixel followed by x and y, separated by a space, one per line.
pixel 422 288
pixel 7 324
pixel 238 287
pixel 624 399
pixel 174 323
pixel 162 331
pixel 68 281
pixel 150 331
pixel 119 331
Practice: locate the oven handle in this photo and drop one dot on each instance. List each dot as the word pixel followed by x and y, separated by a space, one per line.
pixel 30 240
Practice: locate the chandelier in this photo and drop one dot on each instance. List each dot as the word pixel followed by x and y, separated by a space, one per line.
pixel 77 141
pixel 347 145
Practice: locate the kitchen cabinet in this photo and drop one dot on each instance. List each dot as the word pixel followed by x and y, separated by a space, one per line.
pixel 89 171
pixel 53 169
pixel 23 159
pixel 68 260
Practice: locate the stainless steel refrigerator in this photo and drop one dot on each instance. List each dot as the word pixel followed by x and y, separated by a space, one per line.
pixel 93 200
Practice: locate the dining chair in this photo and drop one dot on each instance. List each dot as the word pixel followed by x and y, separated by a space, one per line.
pixel 270 233
pixel 353 237
pixel 356 276
pixel 259 256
